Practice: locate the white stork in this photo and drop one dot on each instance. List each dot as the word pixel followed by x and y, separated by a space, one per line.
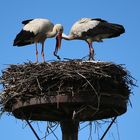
pixel 93 30
pixel 37 31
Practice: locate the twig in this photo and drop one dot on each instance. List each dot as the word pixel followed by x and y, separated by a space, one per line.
pixel 39 84
pixel 84 127
pixel 98 96
pixel 48 128
pixel 52 131
pixel 118 130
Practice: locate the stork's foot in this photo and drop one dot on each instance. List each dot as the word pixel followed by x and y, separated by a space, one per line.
pixel 36 62
pixel 91 58
pixel 43 61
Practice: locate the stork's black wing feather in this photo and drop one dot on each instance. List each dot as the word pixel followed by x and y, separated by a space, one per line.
pixel 105 30
pixel 26 21
pixel 24 38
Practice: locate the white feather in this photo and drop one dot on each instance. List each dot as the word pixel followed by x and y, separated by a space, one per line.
pixel 83 25
pixel 39 26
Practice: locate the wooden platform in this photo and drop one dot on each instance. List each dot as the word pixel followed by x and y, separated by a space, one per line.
pixel 64 107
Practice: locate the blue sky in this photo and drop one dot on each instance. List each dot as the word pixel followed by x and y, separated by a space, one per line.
pixel 122 50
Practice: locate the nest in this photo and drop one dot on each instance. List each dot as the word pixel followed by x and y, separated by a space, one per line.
pixel 79 81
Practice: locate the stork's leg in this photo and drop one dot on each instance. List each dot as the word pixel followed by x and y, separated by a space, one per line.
pixel 42 52
pixel 91 51
pixel 36 53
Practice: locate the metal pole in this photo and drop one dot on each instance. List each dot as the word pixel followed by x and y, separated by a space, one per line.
pixel 108 128
pixel 33 130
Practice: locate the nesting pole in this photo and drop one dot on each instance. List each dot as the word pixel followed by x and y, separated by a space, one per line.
pixel 67 92
pixel 69 129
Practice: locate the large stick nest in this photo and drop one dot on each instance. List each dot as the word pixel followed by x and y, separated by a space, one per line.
pixel 29 80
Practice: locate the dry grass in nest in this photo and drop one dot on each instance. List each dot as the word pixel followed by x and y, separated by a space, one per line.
pixel 74 77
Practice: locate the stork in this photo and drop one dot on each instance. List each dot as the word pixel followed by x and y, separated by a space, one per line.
pixel 37 31
pixel 93 30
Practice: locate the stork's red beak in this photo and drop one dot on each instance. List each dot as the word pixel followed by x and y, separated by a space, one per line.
pixel 58 44
pixel 58 40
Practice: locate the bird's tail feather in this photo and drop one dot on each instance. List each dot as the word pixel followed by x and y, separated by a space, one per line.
pixel 24 38
pixel 117 29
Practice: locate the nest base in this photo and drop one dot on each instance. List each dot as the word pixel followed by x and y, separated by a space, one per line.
pixel 68 90
pixel 64 107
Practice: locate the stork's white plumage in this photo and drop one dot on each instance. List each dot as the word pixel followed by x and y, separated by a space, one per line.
pixel 93 30
pixel 37 31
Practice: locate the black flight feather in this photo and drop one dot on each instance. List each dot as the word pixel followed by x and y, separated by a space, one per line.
pixel 105 30
pixel 26 21
pixel 24 38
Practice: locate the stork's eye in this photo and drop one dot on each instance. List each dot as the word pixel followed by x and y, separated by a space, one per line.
pixel 61 30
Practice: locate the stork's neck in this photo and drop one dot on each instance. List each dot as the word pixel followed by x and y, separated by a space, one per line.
pixel 67 37
pixel 52 33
